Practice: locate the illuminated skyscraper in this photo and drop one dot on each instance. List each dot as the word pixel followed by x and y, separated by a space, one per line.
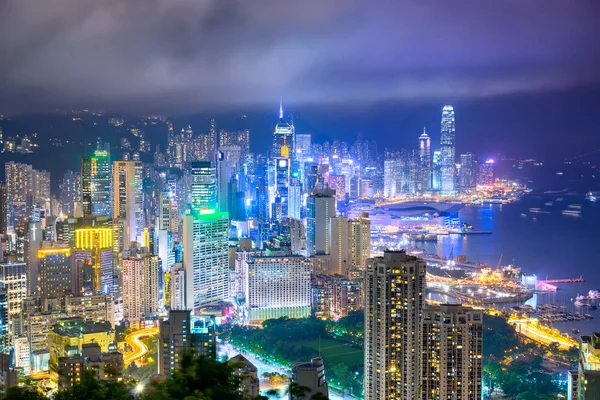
pixel 360 241
pixel 451 356
pixel 204 185
pixel 394 301
pixel 320 209
pixel 13 280
pixel 486 175
pixel 424 162
pixel 228 161
pixel 283 135
pixel 206 257
pixel 139 286
pixel 338 183
pixel 94 259
pixel 19 183
pixel 3 211
pixel 70 194
pixel 283 167
pixel 436 173
pixel 448 150
pixel 303 147
pixel 468 173
pixel 41 186
pixel 128 199
pixel 55 272
pixel 101 182
pixel 391 175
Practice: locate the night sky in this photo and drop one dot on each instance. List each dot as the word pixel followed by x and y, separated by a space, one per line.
pixel 523 76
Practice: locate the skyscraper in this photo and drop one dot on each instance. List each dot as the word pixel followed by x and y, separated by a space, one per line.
pixel 206 257
pixel 13 280
pixel 70 194
pixel 436 173
pixel 283 171
pixel 3 211
pixel 448 150
pixel 424 162
pixel 320 209
pixel 128 199
pixel 204 186
pixel 55 272
pixel 139 287
pixel 486 174
pixel 41 186
pixel 19 183
pixel 228 161
pixel 452 353
pixel 283 135
pixel 101 182
pixel 394 300
pixel 468 173
pixel 94 259
pixel 360 241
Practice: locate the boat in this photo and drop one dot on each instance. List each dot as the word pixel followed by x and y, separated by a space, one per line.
pixel 523 215
pixel 578 303
pixel 575 206
pixel 560 199
pixel 594 294
pixel 581 298
pixel 548 204
pixel 571 213
pixel 576 331
pixel 536 210
pixel 590 196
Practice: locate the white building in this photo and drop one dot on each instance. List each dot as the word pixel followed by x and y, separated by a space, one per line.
pixel 139 288
pixel 277 287
pixel 177 287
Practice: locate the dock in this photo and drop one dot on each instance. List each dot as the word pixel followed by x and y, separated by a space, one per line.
pixel 567 280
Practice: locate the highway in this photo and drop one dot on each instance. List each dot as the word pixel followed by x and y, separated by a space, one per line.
pixel 529 327
pixel 139 348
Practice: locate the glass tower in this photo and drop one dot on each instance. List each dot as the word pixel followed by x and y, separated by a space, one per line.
pixel 448 150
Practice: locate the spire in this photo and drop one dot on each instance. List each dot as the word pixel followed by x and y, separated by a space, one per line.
pixel 424 131
pixel 280 108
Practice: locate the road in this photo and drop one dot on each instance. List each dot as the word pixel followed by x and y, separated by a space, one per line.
pixel 230 351
pixel 529 328
pixel 139 348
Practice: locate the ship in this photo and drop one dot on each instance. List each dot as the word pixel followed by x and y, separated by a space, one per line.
pixel 575 206
pixel 537 210
pixel 548 204
pixel 594 294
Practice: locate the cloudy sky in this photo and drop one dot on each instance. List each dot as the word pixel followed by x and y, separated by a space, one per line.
pixel 182 55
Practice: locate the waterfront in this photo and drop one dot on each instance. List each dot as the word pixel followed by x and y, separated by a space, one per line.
pixel 551 246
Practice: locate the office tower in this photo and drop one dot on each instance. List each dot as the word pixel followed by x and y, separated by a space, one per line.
pixel 588 373
pixel 394 300
pixel 86 185
pixel 289 297
pixel 424 162
pixel 40 186
pixel 3 211
pixel 295 199
pixel 128 199
pixel 340 246
pixel 390 178
pixel 338 183
pixel 13 281
pixel 451 357
pixel 177 287
pixel 55 272
pixel 183 333
pixel 101 180
pixel 4 338
pixel 312 376
pixel 468 173
pixel 486 175
pixel 303 147
pixel 19 183
pixel 77 332
pixel 448 149
pixel 206 257
pixel 283 167
pixel 247 374
pixel 70 194
pixel 228 161
pixel 204 185
pixel 436 173
pixel 360 241
pixel 283 135
pixel 93 254
pixel 139 287
pixel 320 209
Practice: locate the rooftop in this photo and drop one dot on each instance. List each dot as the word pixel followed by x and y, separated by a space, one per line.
pixel 76 327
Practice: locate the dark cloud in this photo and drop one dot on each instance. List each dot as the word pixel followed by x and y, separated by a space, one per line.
pixel 182 55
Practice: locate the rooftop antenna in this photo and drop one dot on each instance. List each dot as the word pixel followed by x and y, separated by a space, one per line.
pixel 280 108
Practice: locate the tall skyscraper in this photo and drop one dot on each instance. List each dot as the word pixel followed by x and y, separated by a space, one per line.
pixel 70 194
pixel 320 209
pixel 283 169
pixel 290 297
pixel 204 186
pixel 360 241
pixel 424 162
pixel 3 211
pixel 93 254
pixel 228 161
pixel 448 150
pixel 41 187
pixel 55 272
pixel 19 183
pixel 340 246
pixel 128 199
pixel 486 176
pixel 101 181
pixel 390 178
pixel 283 135
pixel 436 173
pixel 468 173
pixel 13 280
pixel 139 287
pixel 394 301
pixel 303 147
pixel 452 353
pixel 206 257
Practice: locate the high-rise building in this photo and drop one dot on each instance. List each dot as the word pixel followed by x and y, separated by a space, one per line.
pixel 183 333
pixel 70 194
pixel 448 150
pixel 91 307
pixel 19 183
pixel 486 175
pixel 206 257
pixel 283 169
pixel 303 147
pixel 128 199
pixel 283 135
pixel 204 186
pixel 424 162
pixel 228 161
pixel 436 173
pixel 394 301
pixel 93 255
pixel 247 373
pixel 390 178
pixel 588 374
pixel 340 246
pixel 451 357
pixel 276 287
pixel 3 211
pixel 320 209
pixel 55 272
pixel 468 173
pixel 101 180
pixel 338 183
pixel 360 241
pixel 41 186
pixel 177 287
pixel 310 375
pixel 139 287
pixel 13 281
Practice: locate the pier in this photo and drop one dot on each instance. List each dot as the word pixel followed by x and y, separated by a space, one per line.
pixel 567 280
